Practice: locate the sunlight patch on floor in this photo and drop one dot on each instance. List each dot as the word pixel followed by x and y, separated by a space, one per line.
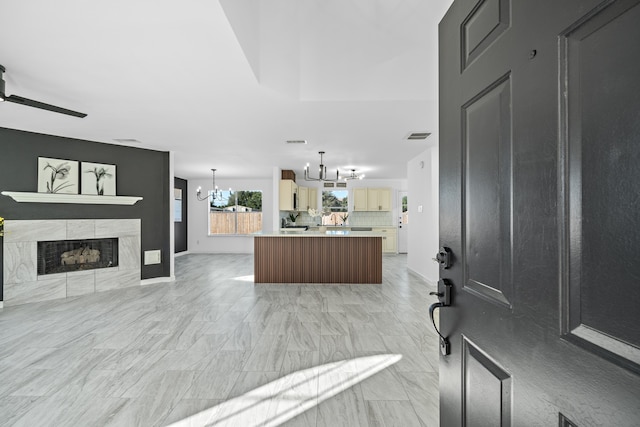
pixel 274 403
pixel 248 278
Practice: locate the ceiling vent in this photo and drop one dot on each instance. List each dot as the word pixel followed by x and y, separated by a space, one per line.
pixel 296 141
pixel 334 184
pixel 418 135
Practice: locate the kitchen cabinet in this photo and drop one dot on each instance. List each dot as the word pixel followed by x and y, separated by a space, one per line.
pixel 313 198
pixel 303 258
pixel 303 199
pixel 389 239
pixel 307 198
pixel 372 199
pixel 288 195
pixel 379 199
pixel 360 200
pixel 384 199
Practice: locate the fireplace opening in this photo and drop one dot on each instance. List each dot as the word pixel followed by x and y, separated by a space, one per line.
pixel 62 256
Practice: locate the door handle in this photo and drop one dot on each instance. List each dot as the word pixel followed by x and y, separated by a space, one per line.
pixel 445 301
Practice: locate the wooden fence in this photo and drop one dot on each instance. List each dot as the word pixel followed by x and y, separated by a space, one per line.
pixel 225 222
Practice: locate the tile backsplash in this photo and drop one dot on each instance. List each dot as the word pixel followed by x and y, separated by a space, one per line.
pixel 355 218
pixel 370 218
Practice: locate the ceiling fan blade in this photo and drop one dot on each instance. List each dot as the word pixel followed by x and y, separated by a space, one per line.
pixel 42 105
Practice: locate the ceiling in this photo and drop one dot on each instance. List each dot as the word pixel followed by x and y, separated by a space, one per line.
pixel 223 84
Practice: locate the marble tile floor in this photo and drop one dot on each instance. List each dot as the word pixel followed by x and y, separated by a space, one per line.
pixel 214 349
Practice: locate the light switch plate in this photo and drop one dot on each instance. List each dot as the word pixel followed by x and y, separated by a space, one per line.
pixel 420 208
pixel 152 257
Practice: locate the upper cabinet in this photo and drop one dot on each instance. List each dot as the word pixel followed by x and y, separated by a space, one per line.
pixel 313 198
pixel 288 195
pixel 372 199
pixel 360 199
pixel 307 198
pixel 384 199
pixel 303 199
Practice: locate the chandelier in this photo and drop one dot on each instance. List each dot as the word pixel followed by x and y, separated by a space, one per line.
pixel 322 172
pixel 353 175
pixel 215 194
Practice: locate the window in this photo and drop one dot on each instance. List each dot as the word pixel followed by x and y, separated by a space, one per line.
pixel 405 210
pixel 235 212
pixel 335 204
pixel 177 205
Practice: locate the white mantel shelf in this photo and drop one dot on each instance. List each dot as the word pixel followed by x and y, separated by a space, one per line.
pixel 86 199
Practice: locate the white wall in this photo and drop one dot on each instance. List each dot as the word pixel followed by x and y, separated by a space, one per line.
pixel 423 242
pixel 198 239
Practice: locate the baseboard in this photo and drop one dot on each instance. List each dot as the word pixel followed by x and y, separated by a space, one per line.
pixel 426 279
pixel 155 280
pixel 181 254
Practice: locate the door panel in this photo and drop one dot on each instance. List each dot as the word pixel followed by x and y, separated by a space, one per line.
pixel 565 422
pixel 487 192
pixel 539 201
pixel 484 24
pixel 487 389
pixel 603 98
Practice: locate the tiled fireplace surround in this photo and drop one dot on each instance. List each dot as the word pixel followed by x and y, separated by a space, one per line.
pixel 21 281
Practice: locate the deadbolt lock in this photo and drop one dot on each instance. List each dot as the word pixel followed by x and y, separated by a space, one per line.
pixel 443 257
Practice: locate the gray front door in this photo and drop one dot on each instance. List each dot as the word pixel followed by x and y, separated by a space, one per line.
pixel 540 208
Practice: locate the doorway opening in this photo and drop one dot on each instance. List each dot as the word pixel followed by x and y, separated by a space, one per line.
pixel 403 222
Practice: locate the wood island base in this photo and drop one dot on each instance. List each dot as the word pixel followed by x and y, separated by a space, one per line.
pixel 317 259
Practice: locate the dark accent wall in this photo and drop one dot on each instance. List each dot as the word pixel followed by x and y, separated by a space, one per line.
pixel 139 172
pixel 180 228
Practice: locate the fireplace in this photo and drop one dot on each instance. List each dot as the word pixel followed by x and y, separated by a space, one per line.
pixel 62 256
pixel 28 278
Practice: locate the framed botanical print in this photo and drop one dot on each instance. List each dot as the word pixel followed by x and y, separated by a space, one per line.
pixel 98 179
pixel 57 176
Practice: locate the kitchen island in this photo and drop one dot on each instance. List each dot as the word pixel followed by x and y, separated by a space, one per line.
pixel 313 257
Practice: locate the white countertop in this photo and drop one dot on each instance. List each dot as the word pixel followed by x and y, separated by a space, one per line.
pixel 328 233
pixel 332 227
